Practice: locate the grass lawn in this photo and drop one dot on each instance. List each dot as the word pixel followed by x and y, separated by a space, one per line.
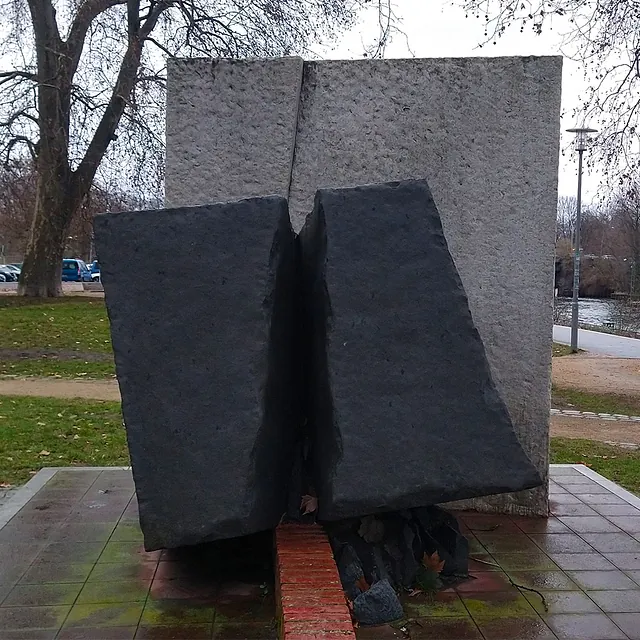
pixel 66 337
pixel 560 350
pixel 615 463
pixel 48 432
pixel 598 403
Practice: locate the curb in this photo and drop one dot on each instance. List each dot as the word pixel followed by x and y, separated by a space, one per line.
pixel 310 600
pixel 614 417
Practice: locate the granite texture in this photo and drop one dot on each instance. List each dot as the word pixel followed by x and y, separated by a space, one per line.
pixel 484 132
pixel 205 363
pixel 402 408
pixel 231 128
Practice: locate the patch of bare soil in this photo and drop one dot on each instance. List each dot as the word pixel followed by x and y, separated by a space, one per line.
pixel 590 429
pixel 53 388
pixel 597 374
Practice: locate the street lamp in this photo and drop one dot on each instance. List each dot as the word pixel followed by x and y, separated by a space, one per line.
pixel 580 146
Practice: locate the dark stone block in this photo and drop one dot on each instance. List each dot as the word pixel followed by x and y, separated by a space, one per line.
pixel 402 408
pixel 201 302
pixel 378 605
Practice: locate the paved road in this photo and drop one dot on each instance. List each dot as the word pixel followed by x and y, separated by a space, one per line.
pixel 601 343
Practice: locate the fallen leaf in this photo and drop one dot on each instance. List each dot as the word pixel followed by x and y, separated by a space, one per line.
pixel 362 584
pixel 309 504
pixel 44 452
pixel 5 485
pixel 415 592
pixel 433 562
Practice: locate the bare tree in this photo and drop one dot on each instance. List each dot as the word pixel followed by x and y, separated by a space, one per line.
pixel 625 211
pixel 605 36
pixel 88 80
pixel 566 217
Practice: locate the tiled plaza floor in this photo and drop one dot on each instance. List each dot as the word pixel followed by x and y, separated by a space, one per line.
pixel 584 561
pixel 72 566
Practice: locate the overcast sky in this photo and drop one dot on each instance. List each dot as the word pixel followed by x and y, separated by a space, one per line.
pixel 438 28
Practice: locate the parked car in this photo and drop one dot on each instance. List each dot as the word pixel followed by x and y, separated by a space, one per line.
pixel 16 268
pixel 2 278
pixel 75 270
pixel 94 267
pixel 9 274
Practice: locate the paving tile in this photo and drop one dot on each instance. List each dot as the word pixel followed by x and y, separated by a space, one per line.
pixel 557 472
pixel 11 572
pixel 475 546
pixel 443 629
pixel 625 561
pixel 579 509
pixel 17 553
pixel 76 478
pixel 41 572
pixel 560 543
pixel 601 498
pixel 444 604
pixel 244 631
pixel 39 517
pixel 544 580
pixel 525 561
pixel 5 590
pixel 498 604
pixel 236 610
pixel 106 592
pixel 564 498
pixel 482 562
pixel 176 612
pixel 616 510
pixel 114 572
pixel 104 615
pixel 562 602
pixel 590 524
pixel 601 580
pixel 488 523
pixel 34 532
pixel 540 525
pixel 515 629
pixel 35 595
pixel 581 490
pixel 23 618
pixel 29 634
pixel 635 576
pixel 83 532
pixel 630 524
pixel 506 543
pixel 629 623
pixel 617 601
pixel 97 633
pixel 612 542
pixel 485 581
pixel 182 588
pixel 578 478
pixel 127 532
pixel 387 632
pixel 177 632
pixel 120 552
pixel 584 626
pixel 73 552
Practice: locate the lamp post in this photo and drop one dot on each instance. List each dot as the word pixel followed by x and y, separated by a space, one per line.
pixel 580 146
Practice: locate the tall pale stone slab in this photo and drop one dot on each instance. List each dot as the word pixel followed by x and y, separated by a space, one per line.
pixel 231 127
pixel 484 132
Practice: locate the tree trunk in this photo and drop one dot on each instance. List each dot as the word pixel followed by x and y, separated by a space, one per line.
pixel 42 268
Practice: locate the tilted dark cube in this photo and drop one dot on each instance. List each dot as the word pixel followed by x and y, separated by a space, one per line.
pixel 403 411
pixel 201 303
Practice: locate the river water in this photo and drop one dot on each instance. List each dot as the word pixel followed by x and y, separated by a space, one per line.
pixel 591 310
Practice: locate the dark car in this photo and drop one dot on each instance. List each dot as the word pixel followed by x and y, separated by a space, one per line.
pixel 9 274
pixel 75 270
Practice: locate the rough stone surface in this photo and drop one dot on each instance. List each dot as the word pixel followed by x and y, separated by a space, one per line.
pixel 231 128
pixel 484 132
pixel 378 605
pixel 403 411
pixel 203 351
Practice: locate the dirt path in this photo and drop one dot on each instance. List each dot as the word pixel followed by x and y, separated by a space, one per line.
pixel 597 374
pixel 56 388
pixel 590 429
